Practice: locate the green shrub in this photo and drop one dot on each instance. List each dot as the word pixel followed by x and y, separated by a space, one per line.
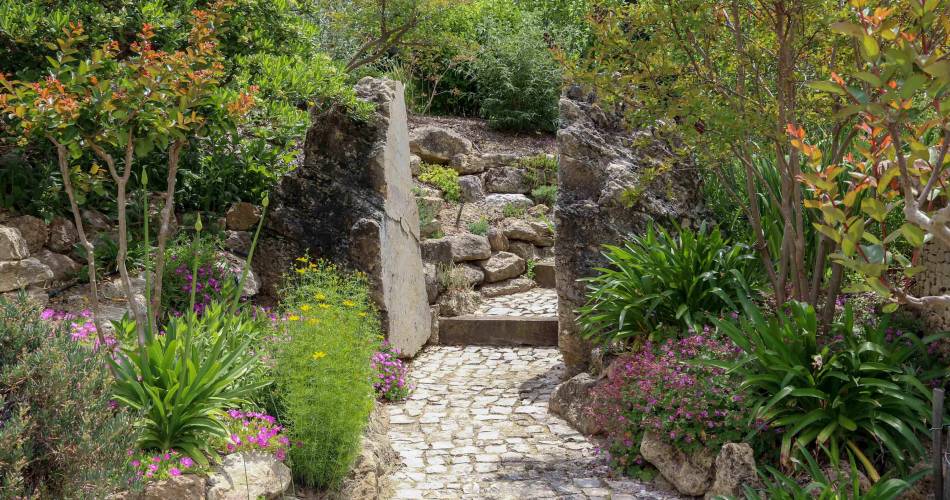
pixel 519 82
pixel 443 178
pixel 59 435
pixel 323 371
pixel 513 210
pixel 529 268
pixel 185 379
pixel 545 195
pixel 844 389
pixel 540 170
pixel 479 227
pixel 663 279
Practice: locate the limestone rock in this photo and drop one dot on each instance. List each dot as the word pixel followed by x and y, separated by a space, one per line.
pixel 62 235
pixel 535 232
pixel 252 286
pixel 368 477
pixel 476 163
pixel 506 287
pixel 415 165
pixel 539 210
pixel 458 303
pixel 185 486
pixel 690 474
pixel 466 164
pixel 437 251
pixel 433 287
pixel 16 274
pixel 473 274
pixel 502 266
pixel 434 313
pixel 735 467
pixel 12 244
pixel 572 400
pixel 523 249
pixel 438 145
pixel 96 221
pixel 506 180
pixel 248 475
pixel 34 295
pixel 599 158
pixel 468 246
pixel 497 240
pixel 33 230
pixel 352 201
pixel 62 266
pixel 430 229
pixel 242 216
pixel 430 205
pixel 238 242
pixel 497 202
pixel 472 189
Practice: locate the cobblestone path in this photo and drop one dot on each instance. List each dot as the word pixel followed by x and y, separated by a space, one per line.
pixel 537 302
pixel 477 426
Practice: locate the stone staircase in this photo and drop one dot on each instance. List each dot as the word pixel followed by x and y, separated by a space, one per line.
pixel 522 319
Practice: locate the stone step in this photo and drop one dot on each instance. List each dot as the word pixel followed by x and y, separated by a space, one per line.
pixel 498 331
pixel 544 274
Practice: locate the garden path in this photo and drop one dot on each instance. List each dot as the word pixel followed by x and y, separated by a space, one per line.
pixel 477 426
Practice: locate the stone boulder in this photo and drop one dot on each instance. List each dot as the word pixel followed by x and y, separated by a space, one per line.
pixel 497 240
pixel 506 287
pixel 33 230
pixel 415 165
pixel 458 303
pixel 17 274
pixel 523 249
pixel 572 400
pixel 242 216
pixel 690 474
pixel 599 159
pixel 62 267
pixel 535 232
pixel 507 180
pixel 352 201
pixel 248 475
pixel 735 467
pixel 96 222
pixel 430 204
pixel 502 266
pixel 252 285
pixel 437 252
pixel 477 163
pixel 62 235
pixel 369 476
pixel 472 188
pixel 468 246
pixel 433 286
pixel 497 202
pixel 438 145
pixel 12 244
pixel 473 274
pixel 238 242
pixel 185 486
pixel 430 228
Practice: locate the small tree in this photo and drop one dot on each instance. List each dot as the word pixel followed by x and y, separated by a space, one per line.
pixel 899 89
pixel 121 104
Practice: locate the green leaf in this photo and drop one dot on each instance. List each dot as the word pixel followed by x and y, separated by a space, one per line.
pixel 869 47
pixel 913 234
pixel 826 86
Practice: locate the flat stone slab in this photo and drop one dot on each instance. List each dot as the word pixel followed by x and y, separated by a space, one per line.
pixel 544 275
pixel 477 427
pixel 498 330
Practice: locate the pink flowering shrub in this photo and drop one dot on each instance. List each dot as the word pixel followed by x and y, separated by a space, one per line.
pixel 255 431
pixel 391 373
pixel 667 389
pixel 148 467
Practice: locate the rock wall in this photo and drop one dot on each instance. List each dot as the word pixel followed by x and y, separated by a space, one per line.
pixel 601 164
pixel 351 202
pixel 934 280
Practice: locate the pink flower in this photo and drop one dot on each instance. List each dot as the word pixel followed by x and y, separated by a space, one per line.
pixel 174 471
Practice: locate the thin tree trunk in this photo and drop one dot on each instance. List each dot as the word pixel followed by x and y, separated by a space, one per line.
pixel 63 157
pixel 173 156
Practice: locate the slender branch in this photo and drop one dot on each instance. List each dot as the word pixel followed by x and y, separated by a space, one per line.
pixel 174 153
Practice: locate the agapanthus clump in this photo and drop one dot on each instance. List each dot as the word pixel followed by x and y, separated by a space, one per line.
pixel 668 389
pixel 255 431
pixel 391 374
pixel 150 466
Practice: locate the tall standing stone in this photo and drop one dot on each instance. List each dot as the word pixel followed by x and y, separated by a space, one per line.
pixel 351 201
pixel 601 162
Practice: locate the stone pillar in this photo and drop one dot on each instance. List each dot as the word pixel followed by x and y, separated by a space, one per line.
pixel 351 202
pixel 611 182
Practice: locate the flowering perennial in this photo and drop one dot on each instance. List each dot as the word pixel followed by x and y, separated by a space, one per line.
pixel 668 389
pixel 255 431
pixel 163 465
pixel 391 372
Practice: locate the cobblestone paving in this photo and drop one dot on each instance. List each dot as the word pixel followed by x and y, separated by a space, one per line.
pixel 477 426
pixel 538 302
